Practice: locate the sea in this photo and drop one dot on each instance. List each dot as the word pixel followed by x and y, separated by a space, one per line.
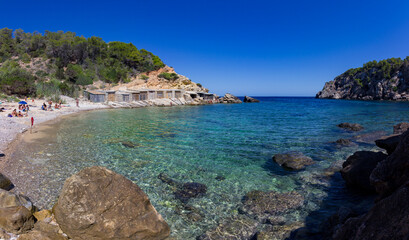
pixel 227 147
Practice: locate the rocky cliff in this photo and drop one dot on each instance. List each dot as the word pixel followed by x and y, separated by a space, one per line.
pixel 383 80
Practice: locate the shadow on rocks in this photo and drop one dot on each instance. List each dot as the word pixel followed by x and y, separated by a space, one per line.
pixel 339 204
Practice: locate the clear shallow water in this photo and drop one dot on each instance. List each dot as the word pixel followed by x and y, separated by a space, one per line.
pixel 197 144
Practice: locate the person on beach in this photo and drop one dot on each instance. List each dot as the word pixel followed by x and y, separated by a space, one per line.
pixel 78 102
pixel 50 105
pixel 44 107
pixel 14 113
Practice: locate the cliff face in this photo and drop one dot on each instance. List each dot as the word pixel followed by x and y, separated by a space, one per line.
pixel 384 80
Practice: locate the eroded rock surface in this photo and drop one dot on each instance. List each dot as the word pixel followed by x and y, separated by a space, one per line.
pixel 97 203
pixel 229 98
pixel 248 99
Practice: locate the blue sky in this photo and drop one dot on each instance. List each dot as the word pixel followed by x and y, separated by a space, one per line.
pixel 259 48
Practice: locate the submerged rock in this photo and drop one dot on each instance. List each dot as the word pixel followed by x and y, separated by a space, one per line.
pixel 248 99
pixel 190 190
pixel 5 183
pixel 229 98
pixel 129 144
pixel 370 137
pixel 355 127
pixel 293 160
pixel 400 128
pixel 184 191
pixel 389 143
pixel 235 228
pixel 267 206
pixel 343 142
pixel 358 167
pixel 97 203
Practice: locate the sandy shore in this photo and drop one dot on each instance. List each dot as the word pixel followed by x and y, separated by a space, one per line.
pixel 10 127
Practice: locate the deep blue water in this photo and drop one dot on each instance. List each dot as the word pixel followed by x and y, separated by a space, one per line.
pixel 199 143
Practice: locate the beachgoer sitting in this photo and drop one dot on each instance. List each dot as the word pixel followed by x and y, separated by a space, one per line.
pixel 20 114
pixel 14 113
pixel 44 107
pixel 56 106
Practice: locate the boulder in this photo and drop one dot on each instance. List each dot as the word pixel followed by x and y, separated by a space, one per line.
pixel 16 212
pixel 97 203
pixel 270 206
pixel 248 99
pixel 400 128
pixel 292 160
pixel 392 172
pixel 17 219
pixel 229 98
pixel 9 199
pixel 43 231
pixel 388 219
pixel 389 143
pixel 234 228
pixel 355 127
pixel 5 183
pixel 358 167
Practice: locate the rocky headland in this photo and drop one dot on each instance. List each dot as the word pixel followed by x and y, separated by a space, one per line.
pixel 383 80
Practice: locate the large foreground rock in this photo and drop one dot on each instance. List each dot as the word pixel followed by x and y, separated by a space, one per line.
pixel 393 172
pixel 388 219
pixel 358 167
pixel 97 203
pixel 293 160
pixel 351 126
pixel 389 143
pixel 248 99
pixel 229 98
pixel 16 212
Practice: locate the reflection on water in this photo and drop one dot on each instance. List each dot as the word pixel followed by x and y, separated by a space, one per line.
pixel 226 147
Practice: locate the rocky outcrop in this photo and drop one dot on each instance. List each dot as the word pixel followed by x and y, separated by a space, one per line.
pixel 270 206
pixel 400 128
pixel 355 127
pixel 5 183
pixel 393 172
pixel 248 99
pixel 389 143
pixel 292 160
pixel 388 219
pixel 16 212
pixel 229 98
pixel 358 167
pixel 97 203
pixel 384 80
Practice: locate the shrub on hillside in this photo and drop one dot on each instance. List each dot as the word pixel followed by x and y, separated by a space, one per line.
pixel 15 80
pixel 169 76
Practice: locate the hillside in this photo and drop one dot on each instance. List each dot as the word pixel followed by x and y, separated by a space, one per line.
pixel 55 63
pixel 384 80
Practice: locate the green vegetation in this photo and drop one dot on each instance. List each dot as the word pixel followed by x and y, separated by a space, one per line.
pixel 374 70
pixel 199 85
pixel 169 76
pixel 72 61
pixel 144 77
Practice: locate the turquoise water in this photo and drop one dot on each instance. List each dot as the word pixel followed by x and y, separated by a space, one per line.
pixel 200 143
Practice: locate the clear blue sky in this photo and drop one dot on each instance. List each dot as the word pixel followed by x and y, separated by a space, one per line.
pixel 270 48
